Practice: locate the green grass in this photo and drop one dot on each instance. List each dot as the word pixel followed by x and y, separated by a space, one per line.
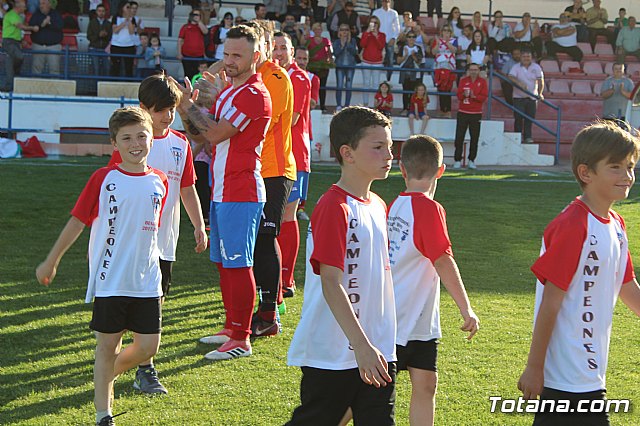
pixel 46 349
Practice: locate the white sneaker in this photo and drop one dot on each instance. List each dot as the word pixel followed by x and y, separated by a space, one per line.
pixel 472 165
pixel 230 350
pixel 456 165
pixel 220 338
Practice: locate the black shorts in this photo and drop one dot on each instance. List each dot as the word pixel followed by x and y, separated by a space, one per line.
pixel 573 418
pixel 166 268
pixel 114 314
pixel 278 190
pixel 418 354
pixel 325 396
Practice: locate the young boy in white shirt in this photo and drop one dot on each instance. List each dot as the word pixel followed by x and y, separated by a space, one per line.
pixel 123 204
pixel 345 341
pixel 420 255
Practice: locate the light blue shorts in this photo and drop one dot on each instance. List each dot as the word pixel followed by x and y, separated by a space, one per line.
pixel 234 228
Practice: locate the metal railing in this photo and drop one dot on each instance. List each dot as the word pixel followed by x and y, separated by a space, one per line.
pixel 558 110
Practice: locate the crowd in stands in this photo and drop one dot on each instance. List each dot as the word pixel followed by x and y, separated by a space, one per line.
pixel 347 36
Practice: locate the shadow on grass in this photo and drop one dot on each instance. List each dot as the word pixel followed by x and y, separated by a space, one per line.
pixel 50 406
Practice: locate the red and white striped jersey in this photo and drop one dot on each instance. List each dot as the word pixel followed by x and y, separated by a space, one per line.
pixel 300 132
pixel 417 238
pixel 123 210
pixel 588 257
pixel 235 162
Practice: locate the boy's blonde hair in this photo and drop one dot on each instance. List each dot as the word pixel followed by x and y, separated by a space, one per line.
pixel 127 116
pixel 603 140
pixel 348 126
pixel 421 157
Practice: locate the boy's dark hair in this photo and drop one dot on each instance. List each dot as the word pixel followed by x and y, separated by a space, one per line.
pixel 622 9
pixel 159 92
pixel 421 156
pixel 603 140
pixel 127 116
pixel 258 6
pixel 348 126
pixel 145 34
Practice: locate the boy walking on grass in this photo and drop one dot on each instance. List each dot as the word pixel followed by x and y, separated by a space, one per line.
pixel 123 204
pixel 583 268
pixel 420 254
pixel 172 154
pixel 345 341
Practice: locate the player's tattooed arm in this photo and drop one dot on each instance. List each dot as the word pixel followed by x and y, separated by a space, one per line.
pixel 192 130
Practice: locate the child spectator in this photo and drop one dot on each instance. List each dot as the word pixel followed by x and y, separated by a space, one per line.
pixel 584 266
pixel 120 195
pixel 141 49
pixel 172 154
pixel 154 54
pixel 344 342
pixel 383 100
pixel 417 264
pixel 418 108
pixel 202 67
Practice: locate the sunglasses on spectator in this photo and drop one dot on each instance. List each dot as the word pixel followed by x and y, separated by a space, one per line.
pixel 411 36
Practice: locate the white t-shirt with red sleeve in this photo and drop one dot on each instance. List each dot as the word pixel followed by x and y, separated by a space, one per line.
pixel 350 234
pixel 235 162
pixel 417 238
pixel 300 132
pixel 172 154
pixel 588 257
pixel 123 210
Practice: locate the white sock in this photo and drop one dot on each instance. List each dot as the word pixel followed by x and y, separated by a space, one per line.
pixel 102 414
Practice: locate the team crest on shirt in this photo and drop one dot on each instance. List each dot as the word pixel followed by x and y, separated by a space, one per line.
pixel 156 202
pixel 177 154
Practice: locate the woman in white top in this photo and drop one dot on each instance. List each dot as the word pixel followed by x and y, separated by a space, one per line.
pixel 455 21
pixel 123 41
pixel 477 51
pixel 221 35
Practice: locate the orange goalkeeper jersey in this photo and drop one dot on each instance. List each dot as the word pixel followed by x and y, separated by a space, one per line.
pixel 277 156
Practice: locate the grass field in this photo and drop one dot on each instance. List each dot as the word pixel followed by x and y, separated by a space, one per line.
pixel 46 349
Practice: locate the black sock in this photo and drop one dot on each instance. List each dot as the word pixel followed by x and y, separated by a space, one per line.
pixel 144 367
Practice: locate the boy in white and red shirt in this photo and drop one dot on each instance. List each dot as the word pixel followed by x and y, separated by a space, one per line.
pixel 344 342
pixel 172 154
pixel 123 205
pixel 420 254
pixel 289 238
pixel 472 94
pixel 584 266
pixel 236 129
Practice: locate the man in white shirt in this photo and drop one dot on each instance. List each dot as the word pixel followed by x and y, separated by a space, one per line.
pixel 390 26
pixel 529 76
pixel 565 39
pixel 527 35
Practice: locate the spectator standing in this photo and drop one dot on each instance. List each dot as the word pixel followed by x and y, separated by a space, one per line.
pixel 409 61
pixel 616 92
pixel 620 22
pixel 565 39
pixel 292 28
pixel 597 19
pixel 444 49
pixel 628 41
pixel 47 39
pixel 191 43
pixel 12 27
pixel 138 26
pixel 472 94
pixel 579 16
pixel 390 26
pixel 527 34
pixel 500 34
pixel 373 43
pixel 261 11
pixel 346 16
pixel 320 58
pixel 99 36
pixel 434 7
pixel 123 41
pixel 345 52
pixel 220 35
pixel 529 76
pixel 276 9
pixel 333 7
pixel 455 21
pixel 423 40
pixel 509 61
